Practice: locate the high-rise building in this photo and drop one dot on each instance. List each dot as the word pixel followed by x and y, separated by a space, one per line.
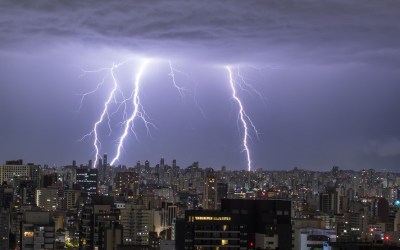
pixel 13 169
pixel 137 222
pixel 222 193
pixel 69 176
pixel 240 224
pixel 270 220
pixel 49 180
pixel 26 191
pixel 110 232
pixel 6 196
pixel 162 162
pixel 210 229
pixel 210 190
pixel 329 201
pixel 161 173
pixel 172 212
pixel 100 228
pixel 380 209
pixel 173 163
pixel 70 198
pixel 102 166
pixel 87 179
pixel 105 161
pixel 127 184
pixel 48 198
pixel 4 229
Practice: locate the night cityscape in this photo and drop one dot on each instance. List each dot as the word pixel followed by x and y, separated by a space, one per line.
pixel 172 125
pixel 165 206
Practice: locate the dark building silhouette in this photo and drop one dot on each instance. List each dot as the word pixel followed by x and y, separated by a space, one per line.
pixel 15 162
pixel 210 190
pixel 6 196
pixel 240 224
pixel 380 209
pixel 87 180
pixel 222 193
pixel 4 229
pixel 26 192
pixel 49 180
pixel 328 201
pixel 99 225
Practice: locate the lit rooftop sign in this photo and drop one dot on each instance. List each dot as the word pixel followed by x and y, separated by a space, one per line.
pixel 209 218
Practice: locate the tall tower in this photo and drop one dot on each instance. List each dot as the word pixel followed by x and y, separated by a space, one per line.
pixel 161 173
pixel 162 163
pixel 99 164
pixel 210 190
pixel 173 163
pixel 88 180
pixel 105 163
pixel 99 225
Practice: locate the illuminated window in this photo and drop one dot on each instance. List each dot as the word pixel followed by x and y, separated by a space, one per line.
pixel 28 234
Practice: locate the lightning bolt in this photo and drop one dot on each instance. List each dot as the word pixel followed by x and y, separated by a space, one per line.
pixel 172 75
pixel 244 85
pixel 181 90
pixel 138 111
pixel 104 113
pixel 243 118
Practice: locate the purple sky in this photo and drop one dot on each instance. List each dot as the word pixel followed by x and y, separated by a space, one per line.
pixel 329 72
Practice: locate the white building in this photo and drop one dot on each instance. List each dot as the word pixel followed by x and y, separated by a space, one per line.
pixel 311 238
pixel 9 171
pixel 137 223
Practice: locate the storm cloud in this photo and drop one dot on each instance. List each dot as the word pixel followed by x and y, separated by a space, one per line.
pixel 325 31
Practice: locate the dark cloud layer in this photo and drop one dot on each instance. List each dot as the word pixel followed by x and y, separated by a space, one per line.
pixel 254 30
pixel 328 71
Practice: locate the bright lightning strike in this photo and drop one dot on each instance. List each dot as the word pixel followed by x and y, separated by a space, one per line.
pixel 111 96
pixel 128 120
pixel 116 95
pixel 138 111
pixel 244 119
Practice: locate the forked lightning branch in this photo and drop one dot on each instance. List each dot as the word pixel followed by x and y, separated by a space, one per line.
pixel 117 99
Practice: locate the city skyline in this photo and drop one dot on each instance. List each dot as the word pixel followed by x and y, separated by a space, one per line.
pixel 327 73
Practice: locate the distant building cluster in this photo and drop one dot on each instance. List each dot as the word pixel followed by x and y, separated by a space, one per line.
pixel 166 207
